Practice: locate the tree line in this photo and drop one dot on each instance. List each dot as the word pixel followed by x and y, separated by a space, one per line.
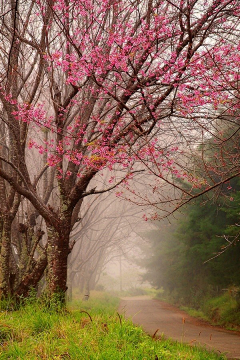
pixel 196 255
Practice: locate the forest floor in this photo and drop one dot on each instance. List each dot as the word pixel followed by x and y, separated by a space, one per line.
pixel 153 315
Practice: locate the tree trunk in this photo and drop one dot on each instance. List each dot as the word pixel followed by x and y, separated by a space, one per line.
pixel 57 254
pixel 88 285
pixel 31 279
pixel 70 284
pixel 70 280
pixel 5 257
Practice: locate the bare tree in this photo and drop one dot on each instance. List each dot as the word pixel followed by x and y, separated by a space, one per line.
pixel 105 227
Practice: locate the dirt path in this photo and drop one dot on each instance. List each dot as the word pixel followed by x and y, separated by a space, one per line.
pixel 153 314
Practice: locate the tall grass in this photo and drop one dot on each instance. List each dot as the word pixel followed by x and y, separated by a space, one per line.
pixel 86 330
pixel 223 310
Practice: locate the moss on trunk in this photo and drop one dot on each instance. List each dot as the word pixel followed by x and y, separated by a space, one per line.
pixel 5 258
pixel 57 254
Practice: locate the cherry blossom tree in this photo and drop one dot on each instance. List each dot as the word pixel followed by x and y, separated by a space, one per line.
pixel 120 86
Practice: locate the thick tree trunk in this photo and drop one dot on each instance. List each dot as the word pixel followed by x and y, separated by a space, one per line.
pixel 5 257
pixel 57 253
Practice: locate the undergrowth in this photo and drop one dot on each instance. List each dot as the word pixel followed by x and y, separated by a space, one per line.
pixel 222 310
pixel 85 330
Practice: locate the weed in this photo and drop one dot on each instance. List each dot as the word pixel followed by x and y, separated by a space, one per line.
pixel 5 332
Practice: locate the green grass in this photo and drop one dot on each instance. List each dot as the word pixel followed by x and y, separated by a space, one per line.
pixel 86 330
pixel 223 310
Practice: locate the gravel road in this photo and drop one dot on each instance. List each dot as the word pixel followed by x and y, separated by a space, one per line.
pixel 153 314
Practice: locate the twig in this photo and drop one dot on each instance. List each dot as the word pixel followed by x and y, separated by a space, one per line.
pixel 83 311
pixel 120 319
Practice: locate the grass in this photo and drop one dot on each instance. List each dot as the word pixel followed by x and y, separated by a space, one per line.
pixel 224 311
pixel 86 330
pixel 221 310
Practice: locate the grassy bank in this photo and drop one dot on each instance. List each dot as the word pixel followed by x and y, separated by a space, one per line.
pixel 87 330
pixel 221 310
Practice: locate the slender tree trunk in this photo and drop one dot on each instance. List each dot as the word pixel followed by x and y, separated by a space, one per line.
pixel 70 284
pixel 5 257
pixel 32 278
pixel 81 282
pixel 70 279
pixel 88 285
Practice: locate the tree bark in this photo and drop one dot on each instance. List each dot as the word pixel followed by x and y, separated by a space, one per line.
pixel 57 255
pixel 32 278
pixel 5 257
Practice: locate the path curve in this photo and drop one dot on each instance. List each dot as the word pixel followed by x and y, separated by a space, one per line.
pixel 153 314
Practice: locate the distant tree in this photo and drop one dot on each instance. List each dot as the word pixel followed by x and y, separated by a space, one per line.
pixel 102 235
pixel 193 256
pixel 200 252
